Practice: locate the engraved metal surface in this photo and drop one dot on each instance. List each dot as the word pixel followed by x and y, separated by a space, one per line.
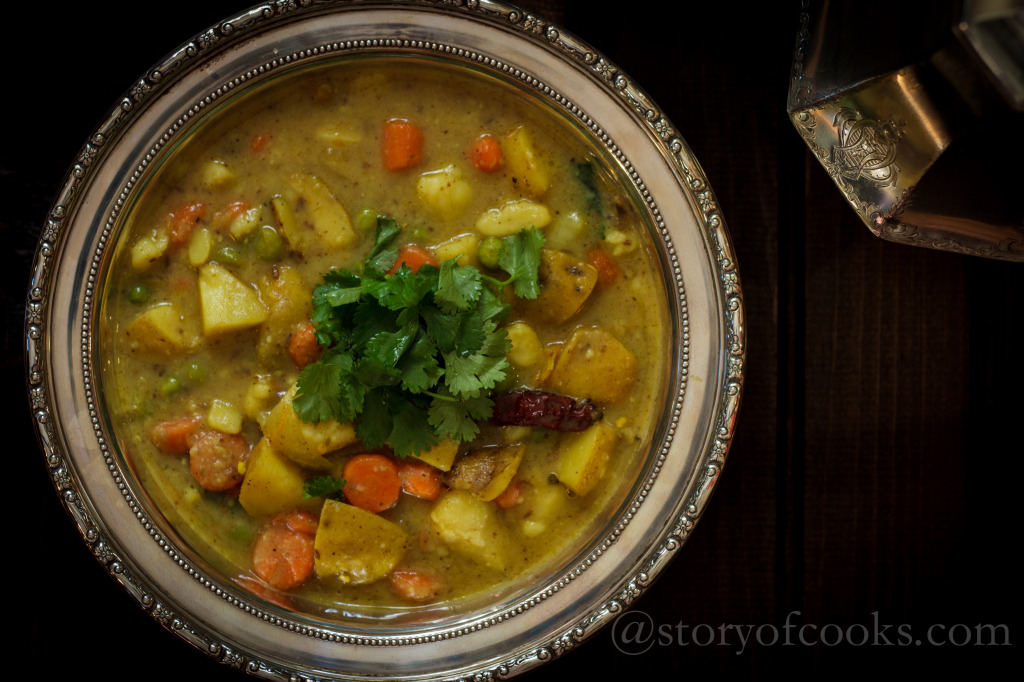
pixel 145 557
pixel 915 148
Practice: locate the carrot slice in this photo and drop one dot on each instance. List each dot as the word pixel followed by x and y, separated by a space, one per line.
pixel 182 220
pixel 486 154
pixel 215 459
pixel 420 479
pixel 415 585
pixel 223 218
pixel 415 257
pixel 510 496
pixel 302 345
pixel 402 146
pixel 259 142
pixel 283 556
pixel 372 482
pixel 607 269
pixel 173 436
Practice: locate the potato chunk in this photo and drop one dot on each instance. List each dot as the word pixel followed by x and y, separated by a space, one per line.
pixel 442 455
pixel 472 528
pixel 513 216
pixel 356 546
pixel 161 328
pixel 445 192
pixel 593 364
pixel 228 304
pixel 583 457
pixel 565 285
pixel 273 483
pixel 326 222
pixel 525 163
pixel 486 472
pixel 305 443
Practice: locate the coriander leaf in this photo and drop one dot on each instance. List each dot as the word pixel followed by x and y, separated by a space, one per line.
pixel 381 257
pixel 466 376
pixel 327 390
pixel 405 288
pixel 411 431
pixel 457 419
pixel 458 287
pixel 419 366
pixel 374 423
pixel 323 486
pixel 520 258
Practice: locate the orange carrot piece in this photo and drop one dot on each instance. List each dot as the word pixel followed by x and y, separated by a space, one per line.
pixel 223 218
pixel 486 154
pixel 415 585
pixel 172 437
pixel 263 592
pixel 259 142
pixel 298 520
pixel 403 144
pixel 607 269
pixel 510 496
pixel 215 459
pixel 182 220
pixel 420 479
pixel 415 257
pixel 282 556
pixel 372 482
pixel 302 346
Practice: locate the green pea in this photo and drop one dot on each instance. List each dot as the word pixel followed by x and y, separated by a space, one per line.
pixel 139 293
pixel 196 373
pixel 489 251
pixel 269 244
pixel 366 220
pixel 170 386
pixel 228 255
pixel 418 233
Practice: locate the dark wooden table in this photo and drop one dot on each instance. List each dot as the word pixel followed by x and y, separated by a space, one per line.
pixel 865 519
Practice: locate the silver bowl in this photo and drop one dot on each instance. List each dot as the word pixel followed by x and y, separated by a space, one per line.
pixel 543 619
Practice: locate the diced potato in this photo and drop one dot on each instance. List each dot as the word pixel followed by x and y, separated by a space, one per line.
pixel 259 398
pixel 245 222
pixel 486 472
pixel 217 175
pixel 284 212
pixel 273 483
pixel 525 164
pixel 339 134
pixel 445 192
pixel 565 285
pixel 305 443
pixel 161 328
pixel 326 221
pixel 526 347
pixel 200 246
pixel 463 247
pixel 224 417
pixel 620 242
pixel 149 249
pixel 471 527
pixel 356 546
pixel 289 299
pixel 513 216
pixel 442 455
pixel 566 230
pixel 542 503
pixel 227 303
pixel 593 364
pixel 583 457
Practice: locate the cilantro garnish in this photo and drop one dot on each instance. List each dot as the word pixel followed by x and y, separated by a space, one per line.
pixel 323 486
pixel 413 357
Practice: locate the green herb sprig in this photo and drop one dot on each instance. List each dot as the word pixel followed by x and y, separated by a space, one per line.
pixel 413 357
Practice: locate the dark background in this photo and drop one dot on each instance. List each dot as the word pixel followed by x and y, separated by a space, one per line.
pixel 873 476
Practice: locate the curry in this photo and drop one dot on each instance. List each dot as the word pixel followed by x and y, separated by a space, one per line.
pixel 383 336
